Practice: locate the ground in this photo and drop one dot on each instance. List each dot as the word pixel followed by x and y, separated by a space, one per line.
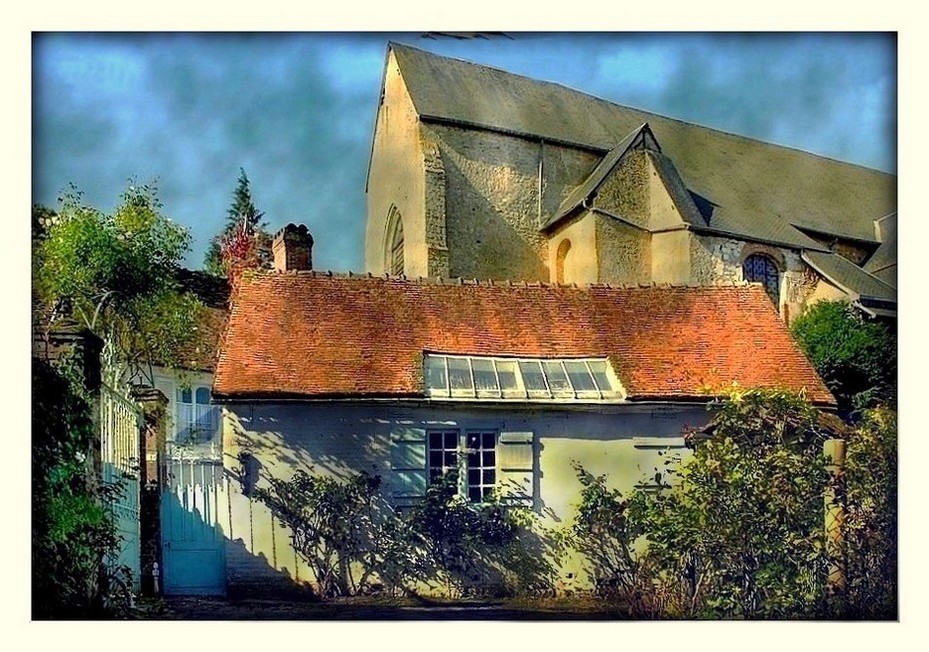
pixel 203 608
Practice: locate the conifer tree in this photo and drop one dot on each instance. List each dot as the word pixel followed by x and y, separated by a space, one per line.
pixel 242 214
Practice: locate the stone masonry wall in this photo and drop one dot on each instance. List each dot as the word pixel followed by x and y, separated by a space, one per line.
pixel 493 201
pixel 625 192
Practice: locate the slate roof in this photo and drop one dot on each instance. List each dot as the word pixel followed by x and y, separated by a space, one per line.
pixel 758 190
pixel 849 277
pixel 310 335
pixel 883 263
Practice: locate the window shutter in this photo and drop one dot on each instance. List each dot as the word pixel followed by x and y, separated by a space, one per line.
pixel 408 476
pixel 516 467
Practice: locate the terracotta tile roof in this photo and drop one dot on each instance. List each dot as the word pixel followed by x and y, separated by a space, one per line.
pixel 307 334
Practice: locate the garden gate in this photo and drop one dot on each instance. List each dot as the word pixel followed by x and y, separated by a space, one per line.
pixel 192 544
pixel 120 428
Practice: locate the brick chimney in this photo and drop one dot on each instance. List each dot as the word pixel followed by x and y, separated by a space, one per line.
pixel 293 249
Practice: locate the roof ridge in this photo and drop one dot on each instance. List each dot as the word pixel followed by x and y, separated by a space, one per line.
pixel 498 283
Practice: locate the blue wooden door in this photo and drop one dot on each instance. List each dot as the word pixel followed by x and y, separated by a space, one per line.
pixel 193 547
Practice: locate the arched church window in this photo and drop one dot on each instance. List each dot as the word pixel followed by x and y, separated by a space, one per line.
pixel 758 268
pixel 560 256
pixel 394 257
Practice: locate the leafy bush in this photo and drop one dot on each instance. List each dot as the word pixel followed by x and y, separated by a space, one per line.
pixel 857 358
pixel 334 526
pixel 871 517
pixel 479 547
pixel 739 532
pixel 73 527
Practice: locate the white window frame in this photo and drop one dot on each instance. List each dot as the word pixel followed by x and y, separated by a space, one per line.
pixel 614 393
pixel 190 418
pixel 463 465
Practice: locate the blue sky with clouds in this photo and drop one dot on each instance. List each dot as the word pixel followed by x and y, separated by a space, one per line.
pixel 297 110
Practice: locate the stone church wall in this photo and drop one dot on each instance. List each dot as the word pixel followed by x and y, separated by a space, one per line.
pixel 495 200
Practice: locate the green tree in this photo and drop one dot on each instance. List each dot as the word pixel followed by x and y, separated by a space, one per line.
pixel 73 528
pixel 116 275
pixel 244 217
pixel 856 357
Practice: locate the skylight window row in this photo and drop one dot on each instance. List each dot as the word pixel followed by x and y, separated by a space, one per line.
pixel 476 377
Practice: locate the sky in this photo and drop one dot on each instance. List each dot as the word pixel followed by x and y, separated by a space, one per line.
pixel 296 111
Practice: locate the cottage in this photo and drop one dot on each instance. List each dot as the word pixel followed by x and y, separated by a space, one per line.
pixel 341 374
pixel 479 173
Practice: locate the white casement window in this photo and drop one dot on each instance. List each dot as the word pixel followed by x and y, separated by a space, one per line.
pixel 473 454
pixel 480 377
pixel 196 418
pixel 487 460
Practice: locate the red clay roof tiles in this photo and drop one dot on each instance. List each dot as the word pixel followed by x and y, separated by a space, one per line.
pixel 311 335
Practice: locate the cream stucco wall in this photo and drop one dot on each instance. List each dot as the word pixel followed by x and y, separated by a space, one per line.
pixel 396 179
pixel 580 266
pixel 671 257
pixel 623 443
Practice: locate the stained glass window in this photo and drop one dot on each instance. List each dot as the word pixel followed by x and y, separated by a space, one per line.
pixel 761 269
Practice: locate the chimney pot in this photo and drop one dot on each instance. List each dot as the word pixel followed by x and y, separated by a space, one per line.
pixel 293 249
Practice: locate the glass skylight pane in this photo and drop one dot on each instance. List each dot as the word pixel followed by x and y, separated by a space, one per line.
pixel 484 376
pixel 459 375
pixel 435 373
pixel 577 372
pixel 506 371
pixel 557 380
pixel 598 369
pixel 532 376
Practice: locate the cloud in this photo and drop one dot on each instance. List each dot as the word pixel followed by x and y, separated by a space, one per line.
pixel 297 110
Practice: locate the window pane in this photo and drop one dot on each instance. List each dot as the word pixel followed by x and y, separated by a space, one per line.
pixel 557 380
pixel 488 440
pixel 184 396
pixel 487 458
pixel 435 440
pixel 474 459
pixel 435 373
pixel 506 371
pixel 474 440
pixel 450 459
pixel 458 373
pixel 474 476
pixel 532 376
pixel 435 459
pixel 598 369
pixel 203 396
pixel 488 476
pixel 451 440
pixel 484 377
pixel 577 372
pixel 474 494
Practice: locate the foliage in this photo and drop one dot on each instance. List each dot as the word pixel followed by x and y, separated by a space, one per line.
pixel 871 517
pixel 857 358
pixel 356 543
pixel 743 523
pixel 336 527
pixel 244 217
pixel 240 249
pixel 479 546
pixel 116 274
pixel 73 528
pixel 606 530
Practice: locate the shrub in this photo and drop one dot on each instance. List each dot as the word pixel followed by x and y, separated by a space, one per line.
pixel 73 528
pixel 856 358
